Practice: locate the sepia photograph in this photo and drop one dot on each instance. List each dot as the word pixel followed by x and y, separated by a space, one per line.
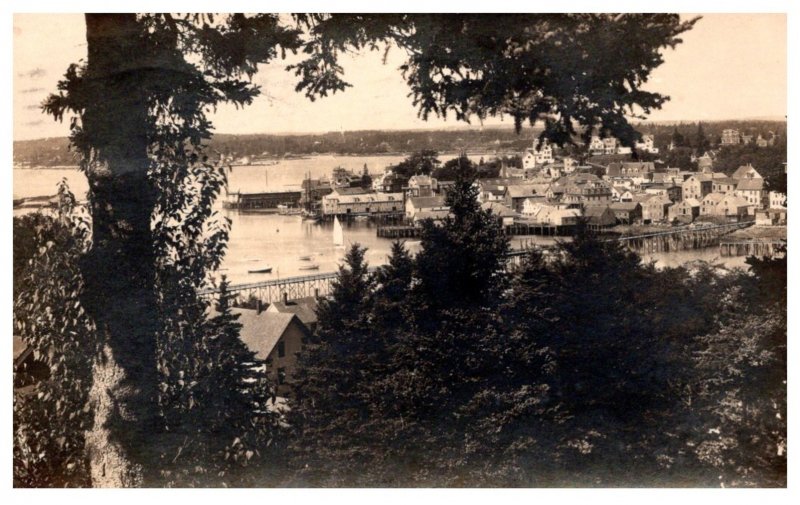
pixel 399 250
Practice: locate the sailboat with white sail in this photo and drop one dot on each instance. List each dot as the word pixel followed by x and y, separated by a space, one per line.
pixel 338 233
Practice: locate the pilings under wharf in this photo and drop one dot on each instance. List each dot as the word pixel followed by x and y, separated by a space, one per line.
pixel 669 240
pixel 680 239
pixel 751 247
pixel 411 231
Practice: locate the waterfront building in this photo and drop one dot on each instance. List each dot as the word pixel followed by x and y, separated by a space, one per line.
pixel 655 209
pixel 344 201
pixel 777 200
pixel 697 186
pixel 421 185
pixel 752 190
pixel 708 205
pixel 532 206
pixel 517 194
pixel 733 205
pixel 425 204
pixel 504 215
pixel 599 216
pixel 770 217
pixel 626 212
pixel 685 211
pixel 263 200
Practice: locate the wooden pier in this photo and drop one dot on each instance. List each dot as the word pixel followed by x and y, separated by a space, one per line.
pixel 398 231
pixel 751 247
pixel 682 238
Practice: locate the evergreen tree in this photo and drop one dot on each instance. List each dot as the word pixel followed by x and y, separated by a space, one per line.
pixel 221 417
pixel 462 261
pixel 701 143
pixel 677 138
pixel 331 404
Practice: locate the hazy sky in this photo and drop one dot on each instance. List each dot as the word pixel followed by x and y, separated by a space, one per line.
pixel 729 66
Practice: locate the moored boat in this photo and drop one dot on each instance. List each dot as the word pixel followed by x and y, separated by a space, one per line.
pixel 310 267
pixel 263 270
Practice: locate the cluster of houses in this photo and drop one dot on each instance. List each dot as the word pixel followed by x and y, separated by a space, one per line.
pixel 558 191
pixel 732 137
pixel 611 145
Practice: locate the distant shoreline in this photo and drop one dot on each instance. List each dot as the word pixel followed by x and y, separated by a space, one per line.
pixel 309 156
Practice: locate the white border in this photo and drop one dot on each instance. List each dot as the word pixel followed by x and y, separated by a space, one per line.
pixel 391 497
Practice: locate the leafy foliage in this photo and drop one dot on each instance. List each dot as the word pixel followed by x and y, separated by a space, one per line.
pixel 419 163
pixel 151 193
pixel 49 412
pixel 555 68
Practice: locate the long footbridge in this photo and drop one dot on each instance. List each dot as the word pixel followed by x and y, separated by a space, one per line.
pixel 681 238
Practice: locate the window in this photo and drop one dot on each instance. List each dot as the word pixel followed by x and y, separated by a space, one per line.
pixel 281 376
pixel 281 349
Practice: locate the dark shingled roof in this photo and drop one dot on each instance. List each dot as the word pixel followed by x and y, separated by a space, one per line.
pixel 629 206
pixel 422 202
pixel 304 308
pixel 261 332
pixel 751 184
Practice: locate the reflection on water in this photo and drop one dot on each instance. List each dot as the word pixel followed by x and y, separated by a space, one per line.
pixel 280 241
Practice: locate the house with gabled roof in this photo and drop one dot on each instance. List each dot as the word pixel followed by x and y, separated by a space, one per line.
pixel 276 338
pixel 626 212
pixel 304 308
pixel 655 208
pixel 517 194
pixel 697 186
pixel 746 172
pixel 505 215
pixel 733 205
pixel 425 204
pixel 708 205
pixel 752 190
pixel 685 210
pixel 599 216
pixel 723 184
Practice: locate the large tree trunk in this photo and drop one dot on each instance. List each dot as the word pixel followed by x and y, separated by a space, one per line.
pixel 119 270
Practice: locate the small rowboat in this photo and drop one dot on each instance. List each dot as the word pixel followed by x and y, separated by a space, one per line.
pixel 305 258
pixel 264 270
pixel 310 267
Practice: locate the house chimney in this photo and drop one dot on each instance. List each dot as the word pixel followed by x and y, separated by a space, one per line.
pixel 316 293
pixel 259 306
pixel 285 298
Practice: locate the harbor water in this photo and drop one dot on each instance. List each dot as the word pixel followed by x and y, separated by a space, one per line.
pixel 279 241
